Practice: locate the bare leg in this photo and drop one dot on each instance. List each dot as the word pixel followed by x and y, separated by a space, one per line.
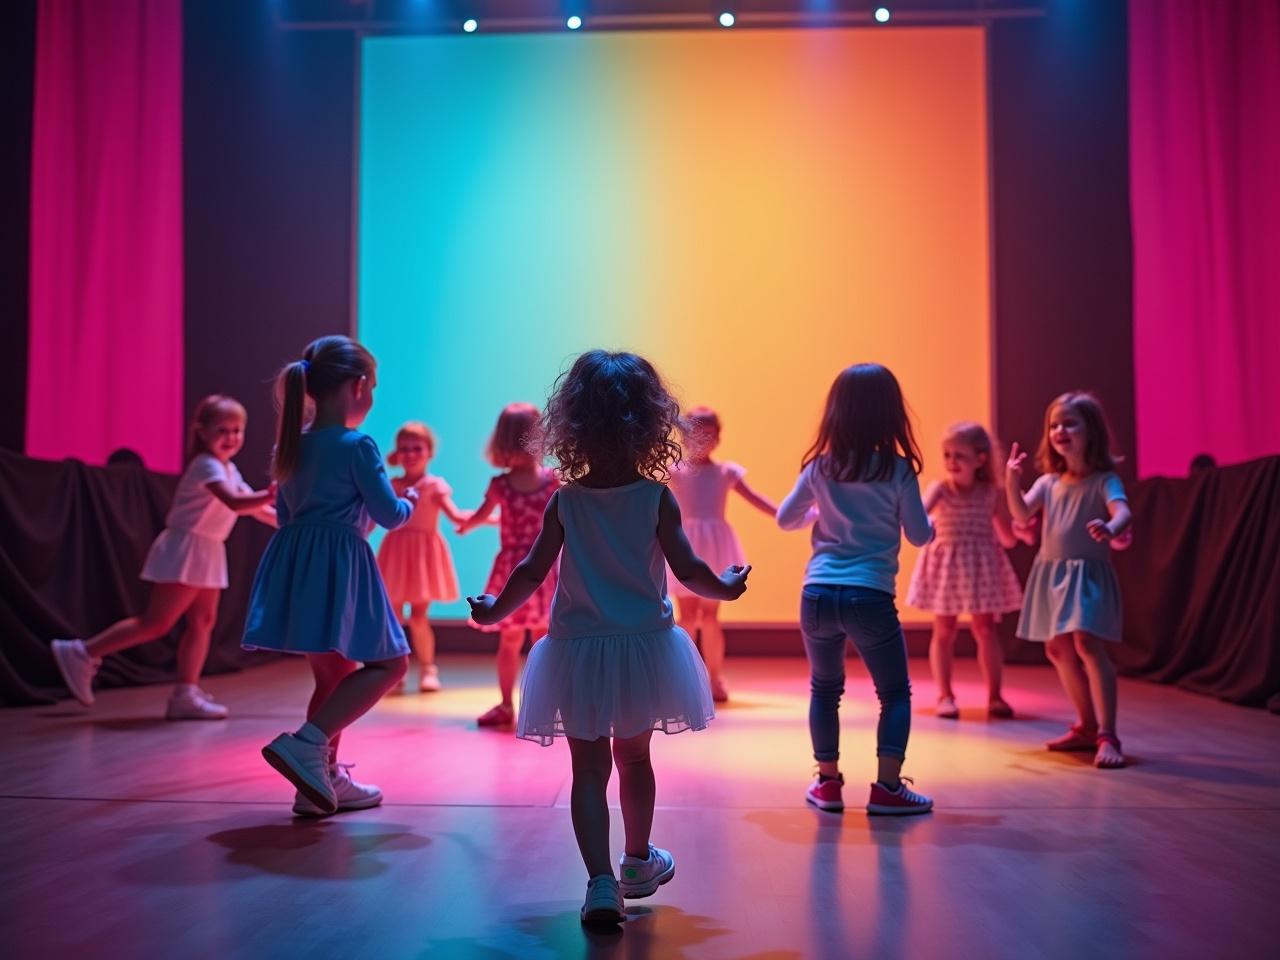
pixel 592 765
pixel 942 653
pixel 713 647
pixel 422 637
pixel 193 646
pixel 510 641
pixel 355 694
pixel 689 615
pixel 329 670
pixel 990 654
pixel 168 602
pixel 636 790
pixel 1102 684
pixel 1062 654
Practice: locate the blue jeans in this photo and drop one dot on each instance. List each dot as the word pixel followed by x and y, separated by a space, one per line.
pixel 830 616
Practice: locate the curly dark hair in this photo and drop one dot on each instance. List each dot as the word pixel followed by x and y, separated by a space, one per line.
pixel 611 411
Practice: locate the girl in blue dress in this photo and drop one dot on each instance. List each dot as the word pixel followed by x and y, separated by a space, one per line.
pixel 318 591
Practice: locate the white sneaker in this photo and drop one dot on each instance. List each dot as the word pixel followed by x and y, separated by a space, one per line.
pixel 642 878
pixel 192 705
pixel 351 795
pixel 603 904
pixel 429 681
pixel 306 766
pixel 77 668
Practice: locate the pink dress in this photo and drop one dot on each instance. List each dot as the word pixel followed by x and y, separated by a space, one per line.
pixel 702 490
pixel 415 561
pixel 964 569
pixel 520 521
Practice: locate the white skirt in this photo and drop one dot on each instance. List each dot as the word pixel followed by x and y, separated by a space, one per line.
pixel 179 556
pixel 715 542
pixel 613 686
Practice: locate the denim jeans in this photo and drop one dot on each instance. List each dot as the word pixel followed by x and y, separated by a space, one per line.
pixel 830 616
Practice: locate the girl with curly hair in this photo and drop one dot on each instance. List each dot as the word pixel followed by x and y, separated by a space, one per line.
pixel 613 667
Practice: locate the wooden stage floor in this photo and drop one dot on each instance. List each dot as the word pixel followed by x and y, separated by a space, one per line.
pixel 126 836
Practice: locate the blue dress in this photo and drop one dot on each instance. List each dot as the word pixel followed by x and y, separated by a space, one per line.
pixel 318 589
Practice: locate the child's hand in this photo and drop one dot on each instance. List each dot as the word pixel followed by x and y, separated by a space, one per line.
pixel 735 578
pixel 1013 468
pixel 1099 530
pixel 411 494
pixel 273 488
pixel 1123 541
pixel 1026 532
pixel 482 608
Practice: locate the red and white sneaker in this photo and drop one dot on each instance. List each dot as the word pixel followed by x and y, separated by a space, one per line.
pixel 900 802
pixel 826 794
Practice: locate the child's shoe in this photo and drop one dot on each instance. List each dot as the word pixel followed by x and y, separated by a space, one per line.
pixel 77 668
pixel 900 802
pixel 429 679
pixel 827 793
pixel 306 766
pixel 350 794
pixel 642 878
pixel 997 709
pixel 719 690
pixel 189 704
pixel 603 905
pixel 947 708
pixel 499 716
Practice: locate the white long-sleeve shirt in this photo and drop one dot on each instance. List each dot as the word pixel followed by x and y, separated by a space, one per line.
pixel 857 526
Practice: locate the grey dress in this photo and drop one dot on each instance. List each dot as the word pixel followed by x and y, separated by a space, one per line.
pixel 1072 585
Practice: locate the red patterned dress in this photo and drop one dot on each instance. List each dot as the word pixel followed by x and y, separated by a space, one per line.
pixel 520 521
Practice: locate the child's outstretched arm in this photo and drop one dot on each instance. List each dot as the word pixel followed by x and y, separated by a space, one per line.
pixel 450 510
pixel 529 572
pixel 799 508
pixel 239 499
pixel 761 503
pixel 688 567
pixel 916 524
pixel 385 508
pixel 932 494
pixel 478 516
pixel 1022 507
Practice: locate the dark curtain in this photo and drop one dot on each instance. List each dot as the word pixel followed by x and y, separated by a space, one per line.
pixel 72 541
pixel 1201 584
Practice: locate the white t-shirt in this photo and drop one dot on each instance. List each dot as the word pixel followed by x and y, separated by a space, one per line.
pixel 857 526
pixel 195 509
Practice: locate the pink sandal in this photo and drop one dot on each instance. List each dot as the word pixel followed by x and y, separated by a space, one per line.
pixel 1106 737
pixel 1076 738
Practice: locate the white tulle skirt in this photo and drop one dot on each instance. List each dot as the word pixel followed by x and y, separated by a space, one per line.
pixel 613 686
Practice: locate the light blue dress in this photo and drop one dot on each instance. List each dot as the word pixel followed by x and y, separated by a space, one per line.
pixel 318 589
pixel 1072 585
pixel 613 663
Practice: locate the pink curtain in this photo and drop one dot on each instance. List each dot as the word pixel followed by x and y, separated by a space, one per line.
pixel 106 232
pixel 1204 115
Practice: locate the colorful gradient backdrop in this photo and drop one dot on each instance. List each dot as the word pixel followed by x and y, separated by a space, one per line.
pixel 753 210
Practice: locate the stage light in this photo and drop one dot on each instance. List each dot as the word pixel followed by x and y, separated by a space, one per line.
pixel 574 22
pixel 469 25
pixel 726 19
pixel 882 14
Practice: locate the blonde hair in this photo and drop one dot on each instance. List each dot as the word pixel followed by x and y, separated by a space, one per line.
pixel 209 412
pixel 975 435
pixel 326 365
pixel 514 435
pixel 413 430
pixel 699 423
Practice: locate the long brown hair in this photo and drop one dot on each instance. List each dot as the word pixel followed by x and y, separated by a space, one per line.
pixel 208 413
pixel 325 366
pixel 864 428
pixel 514 435
pixel 611 411
pixel 1097 444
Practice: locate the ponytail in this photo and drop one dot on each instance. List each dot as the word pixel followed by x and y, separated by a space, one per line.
pixel 293 381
